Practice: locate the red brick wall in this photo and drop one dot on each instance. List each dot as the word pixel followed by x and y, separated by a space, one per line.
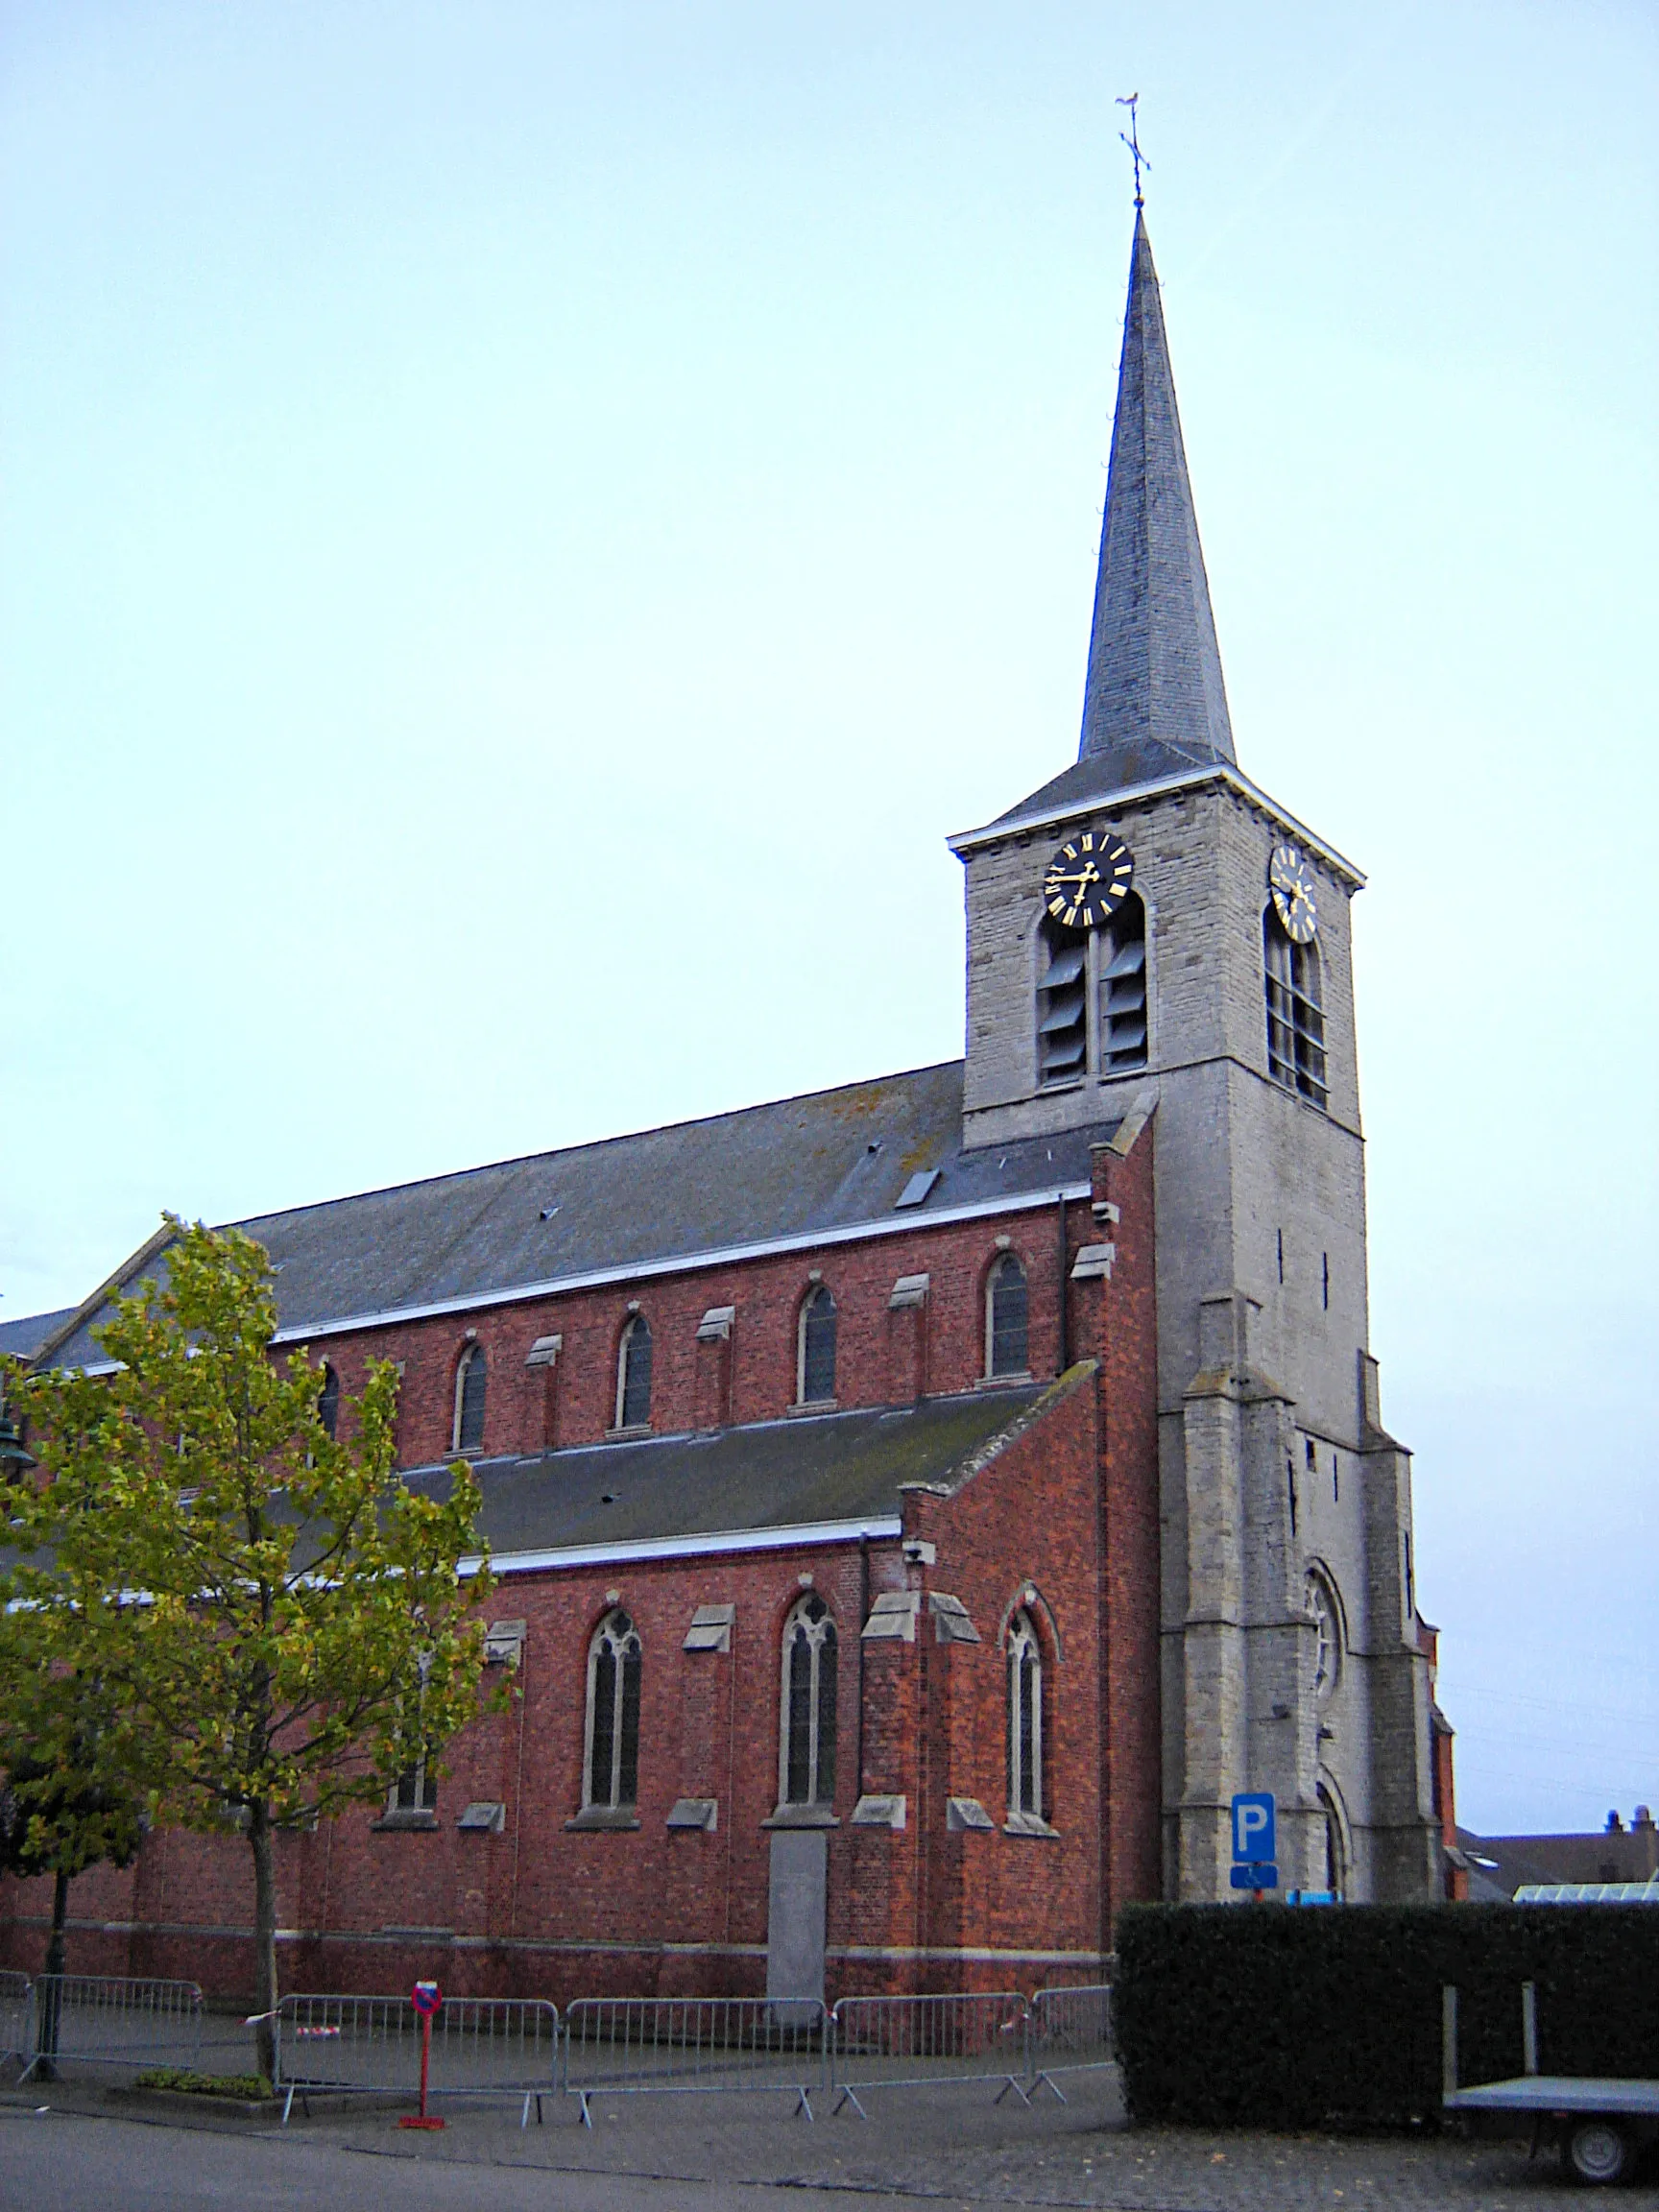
pixel 877 1353
pixel 1068 1509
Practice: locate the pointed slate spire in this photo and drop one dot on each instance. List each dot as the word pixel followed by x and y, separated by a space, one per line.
pixel 1155 702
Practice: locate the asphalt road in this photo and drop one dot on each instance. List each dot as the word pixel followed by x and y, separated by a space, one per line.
pixel 719 2154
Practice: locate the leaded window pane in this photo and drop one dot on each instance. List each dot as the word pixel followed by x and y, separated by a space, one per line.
pixel 636 1408
pixel 328 1402
pixel 800 1792
pixel 818 1348
pixel 474 1383
pixel 1010 1352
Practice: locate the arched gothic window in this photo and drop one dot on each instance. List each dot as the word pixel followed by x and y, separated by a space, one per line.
pixel 328 1402
pixel 471 1382
pixel 1007 1346
pixel 610 1768
pixel 1123 989
pixel 633 1375
pixel 1295 1011
pixel 1327 1621
pixel 1336 1870
pixel 815 1352
pixel 807 1751
pixel 1062 1003
pixel 1024 1720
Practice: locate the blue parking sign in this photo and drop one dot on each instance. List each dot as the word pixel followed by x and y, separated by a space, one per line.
pixel 1254 1841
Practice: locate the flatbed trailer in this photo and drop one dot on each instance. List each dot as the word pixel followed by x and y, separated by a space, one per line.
pixel 1599 2125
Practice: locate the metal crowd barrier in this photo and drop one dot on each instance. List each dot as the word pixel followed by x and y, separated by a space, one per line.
pixel 616 2045
pixel 502 2047
pixel 1066 2031
pixel 113 2020
pixel 914 2043
pixel 17 2016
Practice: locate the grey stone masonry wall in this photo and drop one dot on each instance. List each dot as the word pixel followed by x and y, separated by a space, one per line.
pixel 1278 1487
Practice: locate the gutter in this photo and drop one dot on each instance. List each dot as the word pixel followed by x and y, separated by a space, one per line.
pixel 968 841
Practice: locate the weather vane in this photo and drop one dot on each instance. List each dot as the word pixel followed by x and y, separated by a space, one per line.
pixel 1131 140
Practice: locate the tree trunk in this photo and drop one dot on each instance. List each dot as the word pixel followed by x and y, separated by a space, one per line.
pixel 259 1837
pixel 59 1916
pixel 50 2001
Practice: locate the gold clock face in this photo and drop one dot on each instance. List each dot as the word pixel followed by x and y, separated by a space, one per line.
pixel 1088 879
pixel 1292 882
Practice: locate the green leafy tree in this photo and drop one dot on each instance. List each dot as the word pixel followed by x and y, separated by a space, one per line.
pixel 65 1805
pixel 281 1624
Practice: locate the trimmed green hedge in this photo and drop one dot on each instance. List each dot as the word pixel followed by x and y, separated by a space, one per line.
pixel 1263 2016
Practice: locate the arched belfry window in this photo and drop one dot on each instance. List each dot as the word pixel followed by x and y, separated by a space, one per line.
pixel 815 1352
pixel 806 1755
pixel 1026 1800
pixel 610 1768
pixel 471 1382
pixel 1007 1334
pixel 328 1402
pixel 1295 1011
pixel 1123 989
pixel 1062 1003
pixel 633 1375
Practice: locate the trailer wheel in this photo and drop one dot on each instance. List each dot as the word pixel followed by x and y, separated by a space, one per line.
pixel 1597 2151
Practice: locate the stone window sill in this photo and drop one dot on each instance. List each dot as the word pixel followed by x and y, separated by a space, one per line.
pixel 606 1817
pixel 1013 1382
pixel 804 1407
pixel 802 1817
pixel 1030 1824
pixel 407 1820
pixel 628 1434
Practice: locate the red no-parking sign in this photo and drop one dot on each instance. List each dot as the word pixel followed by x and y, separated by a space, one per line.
pixel 425 1997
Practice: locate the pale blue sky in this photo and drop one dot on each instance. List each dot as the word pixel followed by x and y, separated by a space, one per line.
pixel 525 526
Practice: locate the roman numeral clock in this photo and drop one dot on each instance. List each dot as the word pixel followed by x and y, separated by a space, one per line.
pixel 1088 879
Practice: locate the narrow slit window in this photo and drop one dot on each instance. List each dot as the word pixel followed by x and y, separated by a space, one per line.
pixel 1062 1004
pixel 1295 1013
pixel 633 1375
pixel 328 1402
pixel 1024 1720
pixel 611 1771
pixel 809 1746
pixel 1007 1346
pixel 815 1352
pixel 1123 989
pixel 471 1382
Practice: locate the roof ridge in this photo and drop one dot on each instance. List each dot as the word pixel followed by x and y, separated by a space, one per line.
pixel 590 1145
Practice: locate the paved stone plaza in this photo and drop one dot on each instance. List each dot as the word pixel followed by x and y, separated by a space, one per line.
pixel 742 2154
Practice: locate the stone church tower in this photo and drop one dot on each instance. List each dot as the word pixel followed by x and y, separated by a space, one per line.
pixel 1212 986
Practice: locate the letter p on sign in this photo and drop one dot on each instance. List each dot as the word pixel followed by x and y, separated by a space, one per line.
pixel 1253 1826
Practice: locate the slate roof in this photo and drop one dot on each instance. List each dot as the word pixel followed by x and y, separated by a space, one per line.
pixel 23 1337
pixel 776 1474
pixel 1154 666
pixel 793 1169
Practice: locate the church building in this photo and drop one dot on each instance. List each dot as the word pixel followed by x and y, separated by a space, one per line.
pixel 917 1507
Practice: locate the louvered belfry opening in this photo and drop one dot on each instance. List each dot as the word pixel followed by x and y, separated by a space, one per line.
pixel 1123 989
pixel 613 1713
pixel 1062 1004
pixel 1295 1014
pixel 810 1655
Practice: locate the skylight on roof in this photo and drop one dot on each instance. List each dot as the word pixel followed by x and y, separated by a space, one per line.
pixel 917 1189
